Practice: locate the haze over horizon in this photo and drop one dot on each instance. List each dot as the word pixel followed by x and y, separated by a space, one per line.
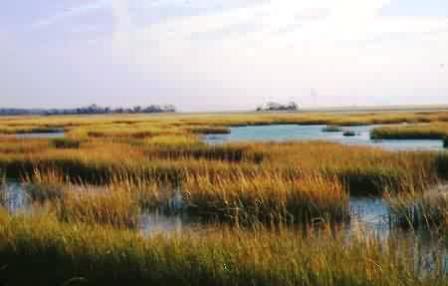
pixel 223 54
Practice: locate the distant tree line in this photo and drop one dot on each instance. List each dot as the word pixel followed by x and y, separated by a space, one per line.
pixel 274 106
pixel 92 109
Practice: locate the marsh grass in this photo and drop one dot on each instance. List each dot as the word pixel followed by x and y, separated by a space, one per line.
pixel 428 210
pixel 22 146
pixel 115 207
pixel 107 256
pixel 230 153
pixel 149 194
pixel 420 131
pixel 42 186
pixel 209 130
pixel 266 199
pixel 94 193
pixel 118 203
pixel 363 170
pixel 238 199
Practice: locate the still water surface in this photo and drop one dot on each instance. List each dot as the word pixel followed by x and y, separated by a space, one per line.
pixel 279 133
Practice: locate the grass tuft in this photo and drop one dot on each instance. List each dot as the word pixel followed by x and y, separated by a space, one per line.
pixel 266 199
pixel 428 210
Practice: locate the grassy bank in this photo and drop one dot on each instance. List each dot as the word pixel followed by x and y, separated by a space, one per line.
pixel 30 247
pixel 420 131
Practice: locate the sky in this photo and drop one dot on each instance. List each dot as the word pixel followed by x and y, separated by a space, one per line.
pixel 223 54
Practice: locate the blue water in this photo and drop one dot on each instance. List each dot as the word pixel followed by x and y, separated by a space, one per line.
pixel 370 214
pixel 280 133
pixel 49 135
pixel 13 197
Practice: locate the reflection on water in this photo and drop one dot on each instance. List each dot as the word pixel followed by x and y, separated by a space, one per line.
pixel 157 222
pixel 279 133
pixel 14 198
pixel 370 213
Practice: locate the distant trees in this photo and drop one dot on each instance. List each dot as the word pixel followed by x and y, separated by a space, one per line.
pixel 91 109
pixel 274 106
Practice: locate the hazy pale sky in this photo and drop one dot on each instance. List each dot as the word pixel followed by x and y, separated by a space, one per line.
pixel 223 54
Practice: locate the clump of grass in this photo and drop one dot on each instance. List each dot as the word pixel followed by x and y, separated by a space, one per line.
pixel 116 207
pixel 349 133
pixel 42 186
pixel 42 251
pixel 118 203
pixel 428 210
pixel 332 128
pixel 149 194
pixel 268 199
pixel 65 143
pixel 229 153
pixel 210 130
